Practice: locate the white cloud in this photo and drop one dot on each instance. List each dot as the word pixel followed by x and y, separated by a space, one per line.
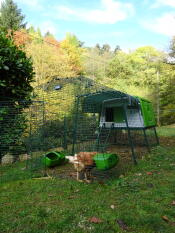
pixel 160 3
pixel 48 26
pixel 163 25
pixel 110 12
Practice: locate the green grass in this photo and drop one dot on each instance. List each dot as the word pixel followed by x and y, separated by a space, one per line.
pixel 166 131
pixel 141 196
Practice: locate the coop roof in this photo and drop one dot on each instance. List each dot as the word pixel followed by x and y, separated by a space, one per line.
pixel 93 102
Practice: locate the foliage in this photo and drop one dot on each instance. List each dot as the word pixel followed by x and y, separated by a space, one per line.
pixel 16 71
pixel 16 74
pixel 138 67
pixel 119 67
pixel 117 49
pixel 172 47
pixel 49 39
pixel 13 125
pixel 72 48
pixel 106 48
pixel 51 135
pixel 21 37
pixel 48 62
pixel 51 58
pixel 144 72
pixel 96 61
pixel 10 16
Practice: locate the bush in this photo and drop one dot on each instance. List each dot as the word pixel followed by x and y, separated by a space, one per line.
pixel 16 74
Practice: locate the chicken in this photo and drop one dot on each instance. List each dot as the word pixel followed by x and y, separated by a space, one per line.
pixel 83 162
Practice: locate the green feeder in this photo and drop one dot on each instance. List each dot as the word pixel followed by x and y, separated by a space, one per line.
pixel 106 161
pixel 53 158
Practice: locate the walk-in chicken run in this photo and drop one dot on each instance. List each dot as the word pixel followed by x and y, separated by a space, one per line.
pixel 84 131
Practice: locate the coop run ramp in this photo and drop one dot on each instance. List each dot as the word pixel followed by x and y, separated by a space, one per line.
pixel 103 138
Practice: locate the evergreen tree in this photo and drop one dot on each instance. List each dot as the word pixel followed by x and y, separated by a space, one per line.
pixel 97 46
pixel 117 49
pixel 10 16
pixel 106 48
pixel 48 34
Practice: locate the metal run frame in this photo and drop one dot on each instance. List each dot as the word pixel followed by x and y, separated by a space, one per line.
pixel 124 102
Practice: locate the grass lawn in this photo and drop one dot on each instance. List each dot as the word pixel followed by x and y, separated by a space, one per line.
pixel 141 200
pixel 166 131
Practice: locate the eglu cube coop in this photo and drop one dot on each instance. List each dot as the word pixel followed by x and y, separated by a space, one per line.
pixel 122 120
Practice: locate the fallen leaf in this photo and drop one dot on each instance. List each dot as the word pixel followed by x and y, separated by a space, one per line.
pixel 112 206
pixel 122 224
pixel 173 203
pixel 165 218
pixel 149 173
pixel 95 220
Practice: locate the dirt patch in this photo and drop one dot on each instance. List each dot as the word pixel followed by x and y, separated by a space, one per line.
pixel 167 141
pixel 67 171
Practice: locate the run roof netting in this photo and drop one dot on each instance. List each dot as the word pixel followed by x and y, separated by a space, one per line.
pixel 93 102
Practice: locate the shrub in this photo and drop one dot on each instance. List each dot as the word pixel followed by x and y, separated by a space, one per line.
pixel 16 74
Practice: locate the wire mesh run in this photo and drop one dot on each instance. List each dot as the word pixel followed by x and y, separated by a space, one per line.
pixel 68 120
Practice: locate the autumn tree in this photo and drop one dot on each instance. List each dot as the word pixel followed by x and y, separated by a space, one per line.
pixel 35 34
pixel 72 48
pixel 49 39
pixel 49 60
pixel 21 38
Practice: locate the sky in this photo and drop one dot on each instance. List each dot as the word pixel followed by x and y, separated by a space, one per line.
pixel 127 23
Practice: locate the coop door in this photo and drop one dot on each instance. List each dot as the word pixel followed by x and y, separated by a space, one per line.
pixel 109 115
pixel 115 114
pixel 119 115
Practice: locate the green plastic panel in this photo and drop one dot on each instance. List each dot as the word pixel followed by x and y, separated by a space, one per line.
pixel 147 112
pixel 119 115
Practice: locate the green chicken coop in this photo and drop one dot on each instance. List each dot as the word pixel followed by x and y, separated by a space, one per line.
pixel 139 115
pixel 118 118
